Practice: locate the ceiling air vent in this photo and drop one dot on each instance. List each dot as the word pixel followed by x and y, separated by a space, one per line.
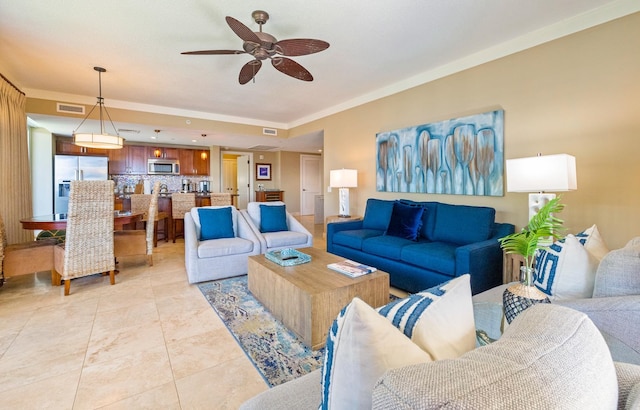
pixel 126 130
pixel 70 108
pixel 269 131
pixel 262 148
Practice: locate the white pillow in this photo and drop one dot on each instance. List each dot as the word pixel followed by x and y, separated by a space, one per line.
pixel 566 270
pixel 590 238
pixel 361 346
pixel 439 320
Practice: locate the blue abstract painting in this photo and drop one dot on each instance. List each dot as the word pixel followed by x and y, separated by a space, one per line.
pixel 461 156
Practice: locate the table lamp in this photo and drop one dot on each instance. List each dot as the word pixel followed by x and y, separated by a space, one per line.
pixel 343 179
pixel 539 174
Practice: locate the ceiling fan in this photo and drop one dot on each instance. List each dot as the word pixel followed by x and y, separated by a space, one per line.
pixel 263 45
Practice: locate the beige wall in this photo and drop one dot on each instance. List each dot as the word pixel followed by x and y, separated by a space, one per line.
pixel 578 95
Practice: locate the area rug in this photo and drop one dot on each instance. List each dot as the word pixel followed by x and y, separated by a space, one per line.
pixel 275 351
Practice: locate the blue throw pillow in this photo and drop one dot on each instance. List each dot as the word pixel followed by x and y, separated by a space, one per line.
pixel 405 221
pixel 463 224
pixel 377 214
pixel 273 218
pixel 215 223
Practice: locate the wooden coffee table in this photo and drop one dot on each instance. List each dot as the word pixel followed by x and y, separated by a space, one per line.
pixel 308 297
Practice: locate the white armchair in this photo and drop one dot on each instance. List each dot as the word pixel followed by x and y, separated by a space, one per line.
pixel 273 233
pixel 223 256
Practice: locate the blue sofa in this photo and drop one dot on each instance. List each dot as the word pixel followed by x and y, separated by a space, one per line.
pixel 441 242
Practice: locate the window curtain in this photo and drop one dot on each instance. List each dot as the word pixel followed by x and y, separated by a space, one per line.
pixel 15 180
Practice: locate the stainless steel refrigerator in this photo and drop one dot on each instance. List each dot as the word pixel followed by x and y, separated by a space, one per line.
pixel 68 168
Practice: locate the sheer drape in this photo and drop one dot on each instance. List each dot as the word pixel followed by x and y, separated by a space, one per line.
pixel 15 181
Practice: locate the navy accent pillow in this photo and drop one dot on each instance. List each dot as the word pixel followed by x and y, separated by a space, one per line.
pixel 215 223
pixel 273 218
pixel 405 221
pixel 377 214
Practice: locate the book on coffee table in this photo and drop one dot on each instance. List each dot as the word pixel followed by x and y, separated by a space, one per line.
pixel 351 268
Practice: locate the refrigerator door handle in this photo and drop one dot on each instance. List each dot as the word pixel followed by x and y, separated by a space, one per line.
pixel 81 175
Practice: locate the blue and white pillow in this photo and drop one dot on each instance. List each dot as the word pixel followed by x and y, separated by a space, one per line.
pixel 566 270
pixel 439 320
pixel 361 346
pixel 592 241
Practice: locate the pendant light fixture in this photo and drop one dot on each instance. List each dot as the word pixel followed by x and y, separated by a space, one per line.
pixel 102 140
pixel 203 154
pixel 157 152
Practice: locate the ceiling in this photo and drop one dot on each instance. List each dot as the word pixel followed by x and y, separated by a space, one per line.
pixel 378 47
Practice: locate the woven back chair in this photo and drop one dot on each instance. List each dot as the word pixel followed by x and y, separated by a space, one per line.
pixel 24 258
pixel 220 199
pixel 142 203
pixel 181 204
pixel 88 248
pixel 140 241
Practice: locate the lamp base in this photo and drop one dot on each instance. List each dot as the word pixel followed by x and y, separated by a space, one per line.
pixel 344 203
pixel 537 201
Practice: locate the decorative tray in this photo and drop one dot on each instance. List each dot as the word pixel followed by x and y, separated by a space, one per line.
pixel 288 257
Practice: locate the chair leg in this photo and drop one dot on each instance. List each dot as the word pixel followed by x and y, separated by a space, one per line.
pixel 56 279
pixel 155 234
pixel 150 260
pixel 67 286
pixel 112 277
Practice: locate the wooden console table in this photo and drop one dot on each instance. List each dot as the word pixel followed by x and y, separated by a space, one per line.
pixel 269 196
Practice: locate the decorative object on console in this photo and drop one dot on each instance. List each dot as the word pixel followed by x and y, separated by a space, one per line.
pixel 458 156
pixel 102 140
pixel 343 179
pixel 542 225
pixel 541 173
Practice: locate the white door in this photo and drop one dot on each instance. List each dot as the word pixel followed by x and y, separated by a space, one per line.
pixel 310 181
pixel 229 179
pixel 243 179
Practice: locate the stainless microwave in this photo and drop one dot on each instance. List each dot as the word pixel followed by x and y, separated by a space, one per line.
pixel 161 166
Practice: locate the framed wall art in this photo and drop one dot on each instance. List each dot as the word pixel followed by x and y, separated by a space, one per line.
pixel 460 156
pixel 263 172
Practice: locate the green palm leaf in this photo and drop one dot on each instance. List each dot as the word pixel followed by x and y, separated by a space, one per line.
pixel 541 226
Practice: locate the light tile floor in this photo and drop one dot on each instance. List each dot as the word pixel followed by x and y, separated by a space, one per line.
pixel 150 341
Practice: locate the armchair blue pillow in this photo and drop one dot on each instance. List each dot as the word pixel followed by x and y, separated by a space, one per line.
pixel 215 223
pixel 405 221
pixel 273 218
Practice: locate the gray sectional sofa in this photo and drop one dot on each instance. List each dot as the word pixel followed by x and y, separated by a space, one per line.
pixel 423 244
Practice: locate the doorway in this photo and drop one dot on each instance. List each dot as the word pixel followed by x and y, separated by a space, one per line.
pixel 236 177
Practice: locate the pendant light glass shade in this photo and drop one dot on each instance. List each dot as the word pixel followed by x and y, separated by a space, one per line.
pixel 103 140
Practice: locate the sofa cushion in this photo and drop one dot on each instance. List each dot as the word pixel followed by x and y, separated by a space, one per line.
pixel 428 217
pixel 592 241
pixel 196 217
pixel 389 247
pixel 377 214
pixel 436 256
pixel 405 221
pixel 273 218
pixel 361 346
pixel 439 320
pixel 284 239
pixel 215 223
pixel 463 224
pixel 224 247
pixel 353 239
pixel 566 270
pixel 555 355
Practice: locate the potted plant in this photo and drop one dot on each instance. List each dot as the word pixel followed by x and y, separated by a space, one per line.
pixel 542 230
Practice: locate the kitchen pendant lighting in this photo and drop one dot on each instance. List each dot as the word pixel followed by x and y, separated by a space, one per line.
pixel 203 154
pixel 157 152
pixel 102 140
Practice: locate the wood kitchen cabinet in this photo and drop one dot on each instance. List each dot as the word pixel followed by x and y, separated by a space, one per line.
pixel 169 153
pixel 131 159
pixel 65 146
pixel 191 162
pixel 200 165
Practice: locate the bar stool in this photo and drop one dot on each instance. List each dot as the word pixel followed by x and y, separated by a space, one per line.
pixel 180 205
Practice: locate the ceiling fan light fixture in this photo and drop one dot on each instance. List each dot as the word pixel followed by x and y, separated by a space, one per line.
pixel 103 140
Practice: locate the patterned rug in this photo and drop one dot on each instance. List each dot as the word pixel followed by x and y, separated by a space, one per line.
pixel 275 351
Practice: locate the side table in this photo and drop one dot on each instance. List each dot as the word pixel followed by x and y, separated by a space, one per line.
pixel 335 219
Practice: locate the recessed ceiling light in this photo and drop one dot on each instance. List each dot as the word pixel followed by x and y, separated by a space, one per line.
pixel 194 140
